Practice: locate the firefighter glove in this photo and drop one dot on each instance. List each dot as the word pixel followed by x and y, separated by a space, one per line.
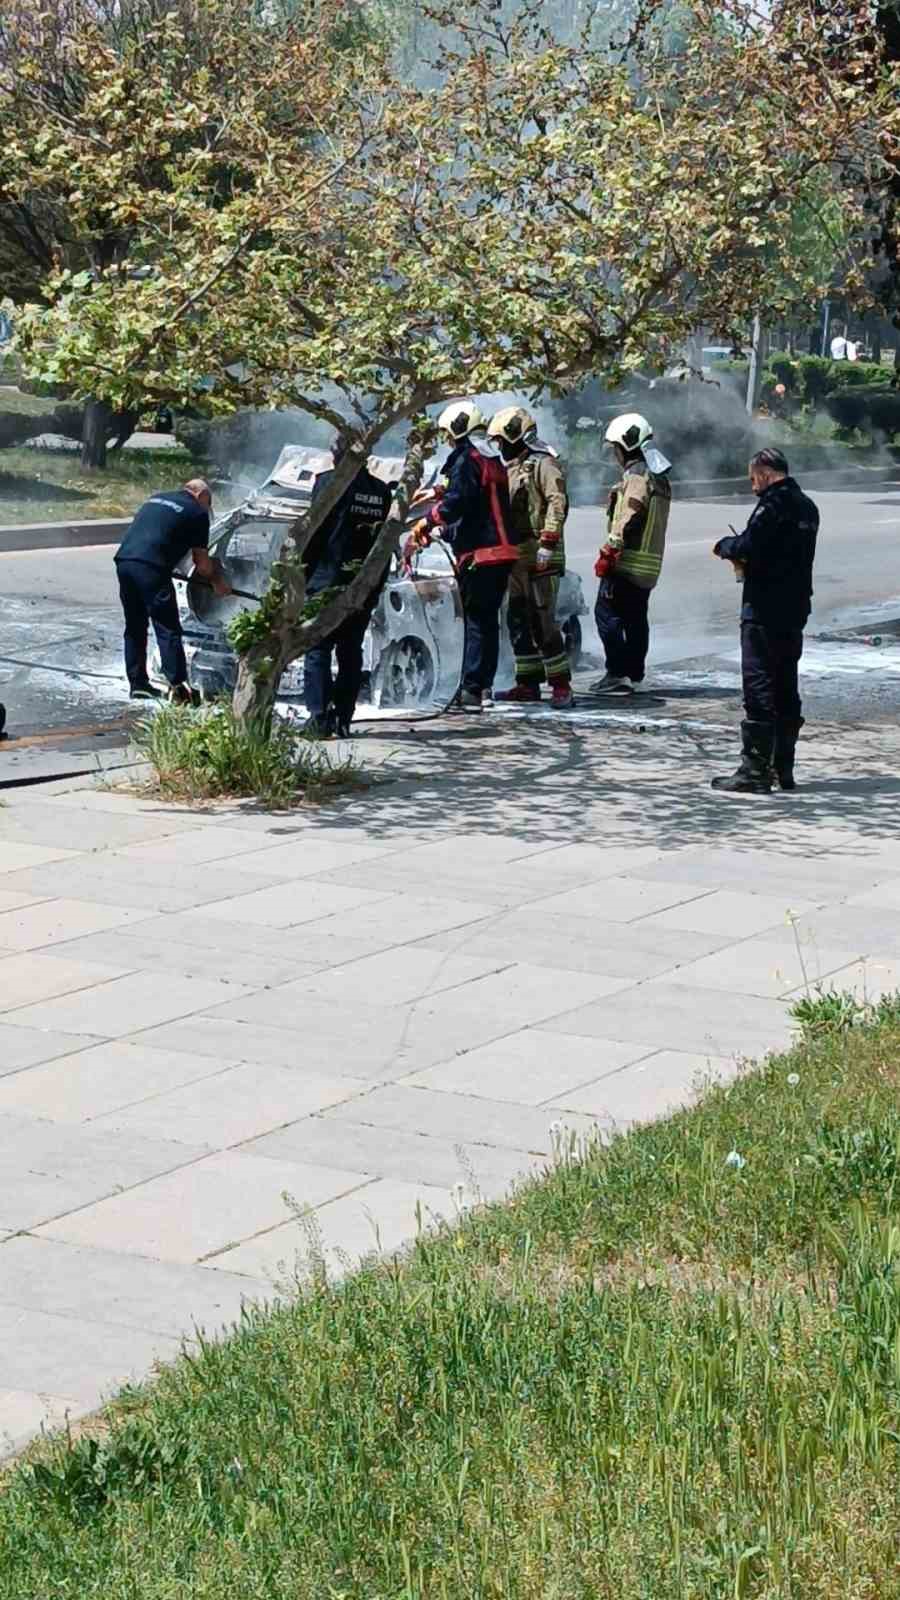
pixel 605 564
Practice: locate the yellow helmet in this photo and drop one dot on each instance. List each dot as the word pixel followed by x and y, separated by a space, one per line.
pixel 460 419
pixel 513 424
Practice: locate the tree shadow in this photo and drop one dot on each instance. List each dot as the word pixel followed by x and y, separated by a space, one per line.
pixel 17 486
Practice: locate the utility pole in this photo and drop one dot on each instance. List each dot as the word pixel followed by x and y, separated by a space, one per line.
pixel 756 363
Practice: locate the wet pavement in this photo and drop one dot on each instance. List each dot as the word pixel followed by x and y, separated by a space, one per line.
pixel 60 625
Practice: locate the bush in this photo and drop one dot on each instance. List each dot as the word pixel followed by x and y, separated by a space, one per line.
pixel 208 755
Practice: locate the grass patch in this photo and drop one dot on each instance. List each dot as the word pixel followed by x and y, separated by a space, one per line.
pixel 654 1373
pixel 51 485
pixel 208 755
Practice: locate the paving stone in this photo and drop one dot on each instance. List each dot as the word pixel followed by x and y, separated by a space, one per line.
pixel 662 1014
pixel 462 850
pixel 392 1153
pixel 104 1078
pixel 67 1280
pixel 466 1119
pixel 394 977
pixel 348 1047
pixel 24 1414
pixel 202 1209
pixel 648 1089
pixel 565 866
pixel 50 1168
pixel 71 1356
pixel 581 944
pixel 312 945
pixel 190 847
pixel 159 952
pixel 884 896
pixel 376 1220
pixel 758 966
pixel 27 1047
pixel 618 899
pixel 52 922
pixel 870 930
pixel 397 919
pixel 868 980
pixel 14 856
pixel 112 880
pixel 124 1005
pixel 43 823
pixel 479 882
pixel 240 1103
pixel 285 905
pixel 787 877
pixel 526 1069
pixel 33 977
pixel 10 901
pixel 730 913
pixel 300 858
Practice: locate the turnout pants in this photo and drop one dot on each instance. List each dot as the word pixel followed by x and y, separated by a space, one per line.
pixel 769 663
pixel 482 589
pixel 148 595
pixel 623 626
pixel 534 632
pixel 321 688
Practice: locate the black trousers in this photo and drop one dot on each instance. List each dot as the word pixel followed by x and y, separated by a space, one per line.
pixel 482 589
pixel 623 626
pixel 321 688
pixel 148 595
pixel 769 662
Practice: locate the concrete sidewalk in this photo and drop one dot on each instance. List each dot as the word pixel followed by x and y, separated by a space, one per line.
pixel 363 1007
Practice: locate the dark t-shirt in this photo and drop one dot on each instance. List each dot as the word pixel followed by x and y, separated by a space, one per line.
pixel 166 527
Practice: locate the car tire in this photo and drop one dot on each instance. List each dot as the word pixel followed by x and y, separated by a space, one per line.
pixel 406 673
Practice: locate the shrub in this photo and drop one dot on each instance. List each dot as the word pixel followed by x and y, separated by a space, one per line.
pixel 208 754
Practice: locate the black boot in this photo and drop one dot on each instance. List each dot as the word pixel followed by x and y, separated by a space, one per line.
pixel 786 732
pixel 754 775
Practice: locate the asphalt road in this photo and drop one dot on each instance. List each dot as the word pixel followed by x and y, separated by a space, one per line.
pixel 60 625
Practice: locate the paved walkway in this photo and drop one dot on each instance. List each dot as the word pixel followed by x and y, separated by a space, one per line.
pixel 365 1006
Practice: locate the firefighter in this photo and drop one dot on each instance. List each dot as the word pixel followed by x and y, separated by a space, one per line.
pixel 774 556
pixel 630 562
pixel 473 515
pixel 331 558
pixel 166 527
pixel 539 505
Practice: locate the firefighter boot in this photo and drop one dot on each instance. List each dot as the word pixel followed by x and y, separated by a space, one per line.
pixel 526 694
pixel 754 774
pixel 562 698
pixel 786 733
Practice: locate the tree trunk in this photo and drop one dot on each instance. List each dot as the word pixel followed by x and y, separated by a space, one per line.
pixel 260 668
pixel 94 433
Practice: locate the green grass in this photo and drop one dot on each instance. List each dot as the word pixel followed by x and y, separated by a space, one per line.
pixel 51 485
pixel 206 755
pixel 654 1375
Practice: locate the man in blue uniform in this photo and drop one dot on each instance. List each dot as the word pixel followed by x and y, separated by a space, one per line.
pixel 332 557
pixel 165 529
pixel 775 555
pixel 473 515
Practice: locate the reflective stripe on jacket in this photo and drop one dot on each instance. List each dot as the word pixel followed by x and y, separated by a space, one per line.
pixel 638 519
pixel 539 503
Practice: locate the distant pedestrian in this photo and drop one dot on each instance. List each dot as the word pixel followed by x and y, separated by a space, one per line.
pixel 630 561
pixel 166 528
pixel 775 553
pixel 839 346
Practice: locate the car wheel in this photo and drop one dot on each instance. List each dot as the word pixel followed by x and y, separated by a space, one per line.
pixel 572 636
pixel 407 674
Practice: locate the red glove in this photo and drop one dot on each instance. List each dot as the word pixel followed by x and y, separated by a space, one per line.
pixel 605 564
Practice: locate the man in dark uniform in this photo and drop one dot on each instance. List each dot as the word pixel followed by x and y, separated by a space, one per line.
pixel 166 527
pixel 775 555
pixel 332 558
pixel 473 515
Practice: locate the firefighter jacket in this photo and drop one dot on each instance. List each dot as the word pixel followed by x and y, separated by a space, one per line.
pixel 473 512
pixel 777 549
pixel 539 504
pixel 346 536
pixel 638 518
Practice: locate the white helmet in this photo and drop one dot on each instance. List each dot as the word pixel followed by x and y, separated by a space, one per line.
pixel 513 424
pixel 631 431
pixel 460 419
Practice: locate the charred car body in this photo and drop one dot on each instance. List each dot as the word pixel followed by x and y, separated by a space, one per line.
pixel 414 645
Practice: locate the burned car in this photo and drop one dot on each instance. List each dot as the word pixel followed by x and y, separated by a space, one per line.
pixel 414 646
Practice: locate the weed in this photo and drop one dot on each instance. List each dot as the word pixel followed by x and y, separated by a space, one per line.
pixel 824 1011
pixel 208 754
